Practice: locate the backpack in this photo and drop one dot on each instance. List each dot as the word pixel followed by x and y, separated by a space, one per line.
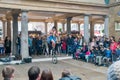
pixel 70 78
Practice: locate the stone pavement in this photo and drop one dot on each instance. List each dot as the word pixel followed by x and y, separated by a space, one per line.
pixel 86 71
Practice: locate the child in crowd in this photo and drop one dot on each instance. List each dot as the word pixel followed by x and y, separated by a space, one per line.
pixel 87 55
pixel 77 53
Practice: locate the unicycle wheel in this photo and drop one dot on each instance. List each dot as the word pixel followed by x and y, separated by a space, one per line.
pixel 54 60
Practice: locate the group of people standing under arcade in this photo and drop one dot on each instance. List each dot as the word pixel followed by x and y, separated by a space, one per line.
pixel 68 44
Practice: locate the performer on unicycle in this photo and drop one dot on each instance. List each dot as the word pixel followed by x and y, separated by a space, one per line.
pixel 52 43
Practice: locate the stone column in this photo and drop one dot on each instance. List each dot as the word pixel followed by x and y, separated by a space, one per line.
pixel 46 27
pixel 91 29
pixel 79 27
pixel 69 25
pixel 9 27
pixel 106 26
pixel 55 24
pixel 15 32
pixel 63 27
pixel 24 35
pixel 4 29
pixel 86 28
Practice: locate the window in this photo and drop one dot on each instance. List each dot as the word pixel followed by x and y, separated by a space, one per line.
pixel 117 0
pixel 117 26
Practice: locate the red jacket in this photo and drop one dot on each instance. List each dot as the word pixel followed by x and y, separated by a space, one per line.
pixel 64 45
pixel 113 46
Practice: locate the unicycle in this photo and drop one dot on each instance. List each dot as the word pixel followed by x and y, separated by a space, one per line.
pixel 54 57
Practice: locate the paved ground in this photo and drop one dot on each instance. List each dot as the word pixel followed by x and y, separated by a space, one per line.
pixel 85 70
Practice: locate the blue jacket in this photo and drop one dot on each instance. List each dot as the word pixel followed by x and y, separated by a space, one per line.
pixel 30 41
pixel 51 38
pixel 108 53
pixel 118 52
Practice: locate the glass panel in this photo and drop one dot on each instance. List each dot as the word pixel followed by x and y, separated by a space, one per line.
pixel 117 25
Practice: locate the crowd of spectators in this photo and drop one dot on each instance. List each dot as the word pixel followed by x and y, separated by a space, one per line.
pixel 99 50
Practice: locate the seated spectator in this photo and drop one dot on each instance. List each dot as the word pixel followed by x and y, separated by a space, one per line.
pixel 92 56
pixel 8 73
pixel 34 73
pixel 67 76
pixel 108 53
pixel 107 57
pixel 83 51
pixel 46 75
pixel 87 55
pixel 114 71
pixel 77 53
pixel 98 56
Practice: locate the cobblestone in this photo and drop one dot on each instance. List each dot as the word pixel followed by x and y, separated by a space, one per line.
pixel 86 71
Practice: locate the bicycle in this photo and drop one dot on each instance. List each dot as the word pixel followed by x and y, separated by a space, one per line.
pixel 54 57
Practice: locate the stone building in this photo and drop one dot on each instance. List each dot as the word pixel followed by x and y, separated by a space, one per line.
pixel 65 11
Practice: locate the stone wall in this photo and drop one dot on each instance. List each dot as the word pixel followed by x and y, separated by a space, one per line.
pixel 83 1
pixel 114 1
pixel 113 14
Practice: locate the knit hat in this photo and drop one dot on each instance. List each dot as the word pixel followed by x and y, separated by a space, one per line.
pixel 114 71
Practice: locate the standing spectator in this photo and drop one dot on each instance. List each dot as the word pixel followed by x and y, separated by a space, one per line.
pixel 8 73
pixel 30 45
pixel 80 40
pixel 44 45
pixel 58 44
pixel 106 43
pixel 70 43
pixel 119 41
pixel 92 44
pixel 64 46
pixel 7 46
pixel 46 75
pixel 18 42
pixel 34 73
pixel 113 46
pixel 1 47
pixel 34 44
pixel 39 45
pixel 49 43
